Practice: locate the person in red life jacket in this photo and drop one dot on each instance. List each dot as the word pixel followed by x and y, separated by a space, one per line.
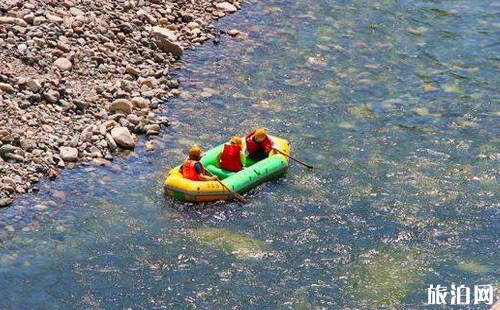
pixel 192 169
pixel 232 158
pixel 258 144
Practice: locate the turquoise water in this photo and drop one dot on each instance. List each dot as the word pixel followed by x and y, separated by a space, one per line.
pixel 394 102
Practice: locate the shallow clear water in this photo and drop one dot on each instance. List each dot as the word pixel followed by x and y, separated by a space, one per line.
pixel 394 102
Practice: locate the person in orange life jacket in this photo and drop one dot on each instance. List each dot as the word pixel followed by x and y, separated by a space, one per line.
pixel 258 144
pixel 231 157
pixel 192 169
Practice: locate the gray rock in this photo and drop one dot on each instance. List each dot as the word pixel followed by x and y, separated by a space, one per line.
pixel 152 127
pixel 29 18
pixel 12 20
pixel 111 142
pixel 95 152
pixel 140 102
pixel 226 7
pixel 33 85
pixel 63 47
pixel 123 137
pixel 132 70
pixel 68 153
pixel 167 41
pixel 27 144
pixel 150 146
pixel 122 105
pixel 63 64
pixel 8 149
pixel 51 96
pixel 100 162
pixel 7 88
pixel 5 202
pixel 75 11
pixel 54 18
pixel 8 181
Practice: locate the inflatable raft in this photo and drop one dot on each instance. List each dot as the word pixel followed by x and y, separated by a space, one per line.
pixel 254 174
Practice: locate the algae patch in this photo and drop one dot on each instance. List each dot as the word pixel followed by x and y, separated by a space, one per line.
pixel 385 278
pixel 242 246
pixel 474 267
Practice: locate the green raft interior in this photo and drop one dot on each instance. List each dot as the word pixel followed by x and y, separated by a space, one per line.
pixel 253 174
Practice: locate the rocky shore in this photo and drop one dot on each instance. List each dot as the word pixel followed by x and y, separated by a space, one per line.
pixel 80 79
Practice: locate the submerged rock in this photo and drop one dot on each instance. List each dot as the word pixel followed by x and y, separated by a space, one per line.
pixel 242 246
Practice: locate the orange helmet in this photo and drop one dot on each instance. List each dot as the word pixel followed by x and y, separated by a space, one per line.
pixel 236 140
pixel 195 152
pixel 260 134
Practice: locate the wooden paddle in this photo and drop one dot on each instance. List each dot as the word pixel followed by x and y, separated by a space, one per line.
pixel 238 197
pixel 300 162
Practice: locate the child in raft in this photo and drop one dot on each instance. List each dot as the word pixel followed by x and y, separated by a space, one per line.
pixel 193 169
pixel 231 157
pixel 258 144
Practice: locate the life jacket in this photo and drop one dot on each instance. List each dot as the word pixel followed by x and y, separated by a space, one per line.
pixel 258 150
pixel 230 158
pixel 188 170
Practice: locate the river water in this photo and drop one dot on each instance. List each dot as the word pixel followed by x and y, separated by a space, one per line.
pixel 396 103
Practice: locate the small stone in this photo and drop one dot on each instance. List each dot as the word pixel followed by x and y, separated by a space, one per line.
pixel 7 189
pixel 123 137
pixel 8 181
pixel 150 146
pixel 7 88
pixel 100 162
pixel 29 18
pixel 428 88
pixel 27 144
pixel 120 36
pixel 12 20
pixel 122 105
pixel 40 207
pixel 193 25
pixel 33 85
pixel 54 18
pixel 63 64
pixel 51 96
pixel 152 127
pixel 140 102
pixel 226 7
pixel 233 32
pixel 39 20
pixel 132 70
pixel 167 41
pixel 22 48
pixel 75 11
pixel 94 152
pixel 63 46
pixel 8 149
pixel 134 119
pixel 5 202
pixel 48 128
pixel 68 153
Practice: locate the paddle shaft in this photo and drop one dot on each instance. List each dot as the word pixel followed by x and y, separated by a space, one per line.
pixel 235 194
pixel 300 162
